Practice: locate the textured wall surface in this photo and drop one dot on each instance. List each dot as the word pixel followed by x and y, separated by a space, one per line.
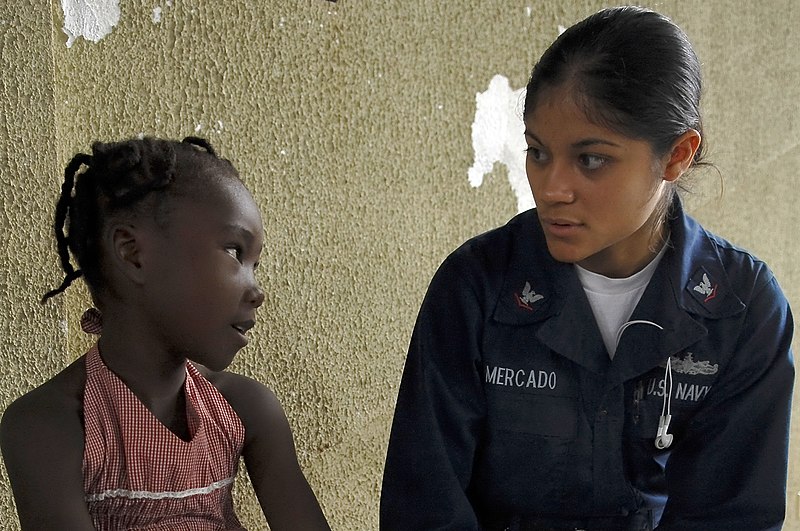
pixel 350 122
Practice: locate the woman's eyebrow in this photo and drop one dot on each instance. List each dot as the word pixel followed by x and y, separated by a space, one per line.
pixel 586 142
pixel 594 141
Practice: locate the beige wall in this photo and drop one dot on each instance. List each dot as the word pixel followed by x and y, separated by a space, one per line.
pixel 351 123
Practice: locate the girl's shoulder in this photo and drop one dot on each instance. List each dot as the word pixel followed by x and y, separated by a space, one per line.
pixel 254 403
pixel 45 425
pixel 55 405
pixel 233 386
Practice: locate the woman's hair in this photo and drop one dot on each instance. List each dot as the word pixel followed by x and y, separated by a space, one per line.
pixel 631 70
pixel 134 176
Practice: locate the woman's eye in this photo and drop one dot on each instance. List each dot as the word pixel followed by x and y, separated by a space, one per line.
pixel 592 162
pixel 535 154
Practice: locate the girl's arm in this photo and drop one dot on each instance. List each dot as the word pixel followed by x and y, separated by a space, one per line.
pixel 42 443
pixel 269 454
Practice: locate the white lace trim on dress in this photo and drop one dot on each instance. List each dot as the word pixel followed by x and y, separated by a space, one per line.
pixel 148 495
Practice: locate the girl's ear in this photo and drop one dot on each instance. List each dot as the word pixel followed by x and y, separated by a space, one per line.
pixel 681 156
pixel 126 251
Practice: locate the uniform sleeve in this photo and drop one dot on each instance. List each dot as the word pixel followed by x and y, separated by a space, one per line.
pixel 728 471
pixel 439 414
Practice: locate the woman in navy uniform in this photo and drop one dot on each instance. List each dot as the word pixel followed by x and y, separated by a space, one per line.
pixel 601 362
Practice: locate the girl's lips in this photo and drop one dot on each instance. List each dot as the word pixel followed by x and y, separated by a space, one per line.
pixel 241 330
pixel 244 326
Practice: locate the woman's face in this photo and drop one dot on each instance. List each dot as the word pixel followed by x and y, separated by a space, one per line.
pixel 596 190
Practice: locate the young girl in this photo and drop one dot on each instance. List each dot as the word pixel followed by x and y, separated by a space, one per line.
pixel 601 361
pixel 145 431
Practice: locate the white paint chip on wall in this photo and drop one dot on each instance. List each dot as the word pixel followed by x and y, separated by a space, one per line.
pixel 158 11
pixel 90 19
pixel 498 135
pixel 217 127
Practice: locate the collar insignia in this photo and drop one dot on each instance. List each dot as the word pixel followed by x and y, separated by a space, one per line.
pixel 702 287
pixel 527 298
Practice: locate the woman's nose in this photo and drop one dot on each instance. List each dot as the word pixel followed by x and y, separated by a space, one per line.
pixel 553 184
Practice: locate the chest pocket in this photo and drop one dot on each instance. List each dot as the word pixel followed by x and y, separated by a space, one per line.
pixel 528 414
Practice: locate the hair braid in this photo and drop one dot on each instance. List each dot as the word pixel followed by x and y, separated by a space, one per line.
pixel 201 143
pixel 130 177
pixel 62 209
pixel 130 170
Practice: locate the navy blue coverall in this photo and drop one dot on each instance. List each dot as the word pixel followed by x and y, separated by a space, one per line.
pixel 510 409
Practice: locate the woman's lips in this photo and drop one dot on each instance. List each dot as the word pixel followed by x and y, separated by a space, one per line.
pixel 561 228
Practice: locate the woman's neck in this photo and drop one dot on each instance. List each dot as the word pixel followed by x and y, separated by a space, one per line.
pixel 628 258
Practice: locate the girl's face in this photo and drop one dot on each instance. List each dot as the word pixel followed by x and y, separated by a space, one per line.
pixel 596 190
pixel 202 293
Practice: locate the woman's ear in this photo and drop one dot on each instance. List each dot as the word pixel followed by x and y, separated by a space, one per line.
pixel 126 251
pixel 681 156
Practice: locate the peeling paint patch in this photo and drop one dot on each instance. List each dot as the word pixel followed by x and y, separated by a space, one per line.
pixel 158 11
pixel 498 135
pixel 217 127
pixel 90 19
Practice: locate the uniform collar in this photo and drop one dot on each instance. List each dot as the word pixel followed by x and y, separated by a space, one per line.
pixel 701 281
pixel 539 289
pixel 690 284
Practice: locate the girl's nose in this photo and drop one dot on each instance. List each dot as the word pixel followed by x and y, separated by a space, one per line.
pixel 256 296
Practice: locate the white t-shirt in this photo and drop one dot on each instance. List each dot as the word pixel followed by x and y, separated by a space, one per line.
pixel 614 299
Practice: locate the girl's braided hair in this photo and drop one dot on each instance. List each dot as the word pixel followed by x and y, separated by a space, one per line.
pixel 117 177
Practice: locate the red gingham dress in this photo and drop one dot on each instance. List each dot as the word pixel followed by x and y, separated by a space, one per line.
pixel 138 475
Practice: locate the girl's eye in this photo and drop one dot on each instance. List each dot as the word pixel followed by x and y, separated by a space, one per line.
pixel 235 252
pixel 592 162
pixel 536 154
